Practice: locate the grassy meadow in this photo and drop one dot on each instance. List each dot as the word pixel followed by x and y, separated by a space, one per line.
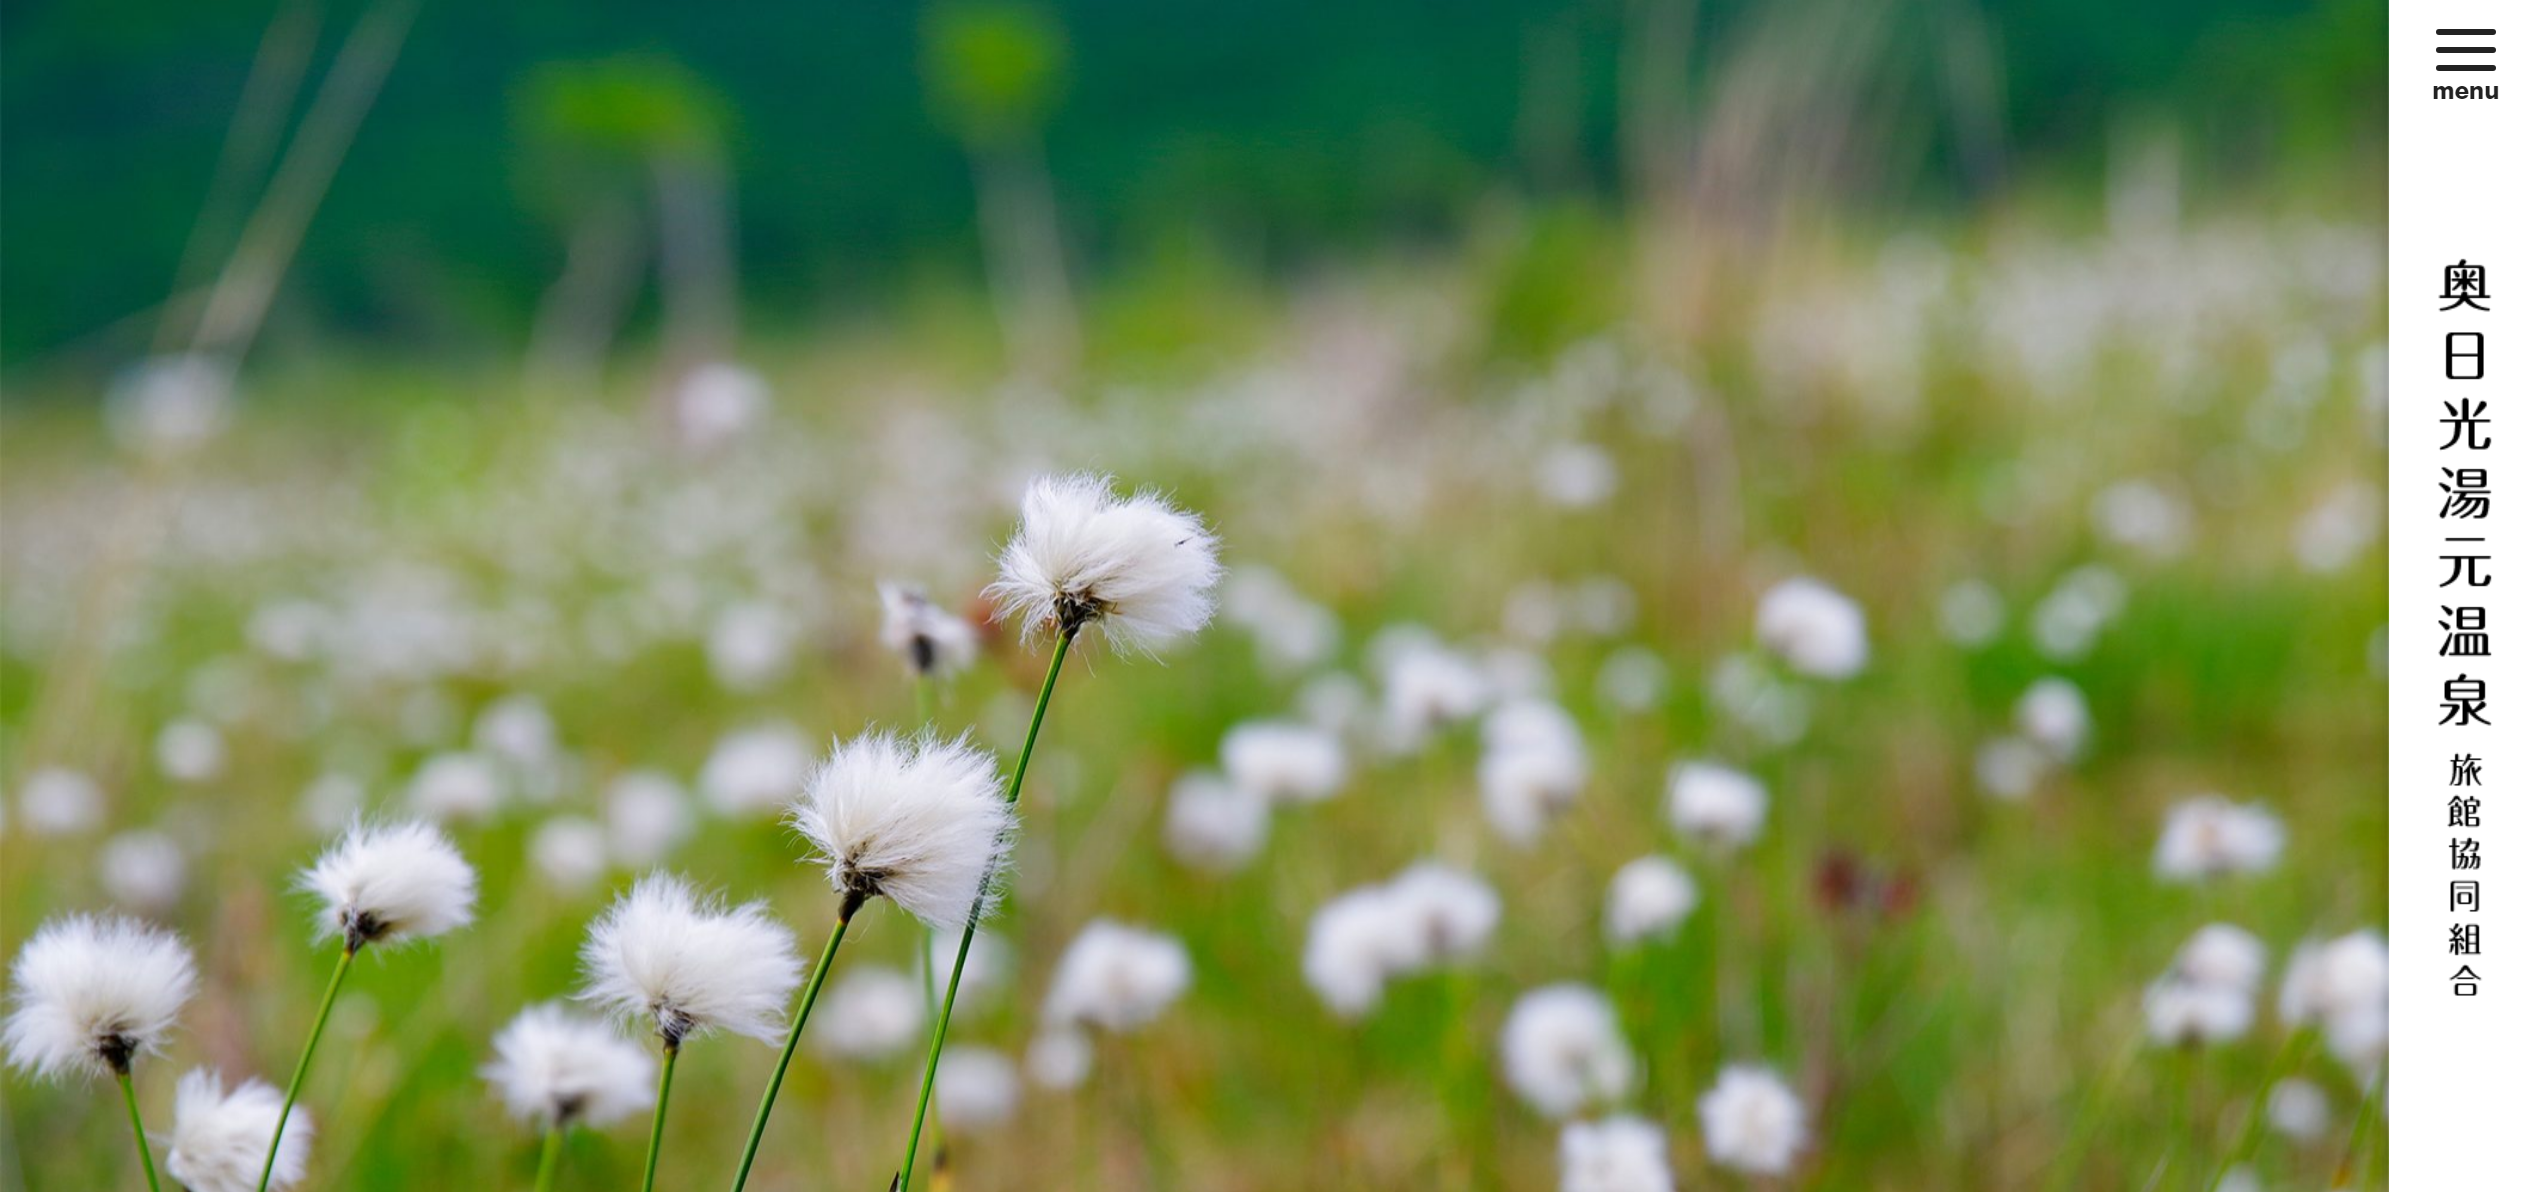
pixel 2145 461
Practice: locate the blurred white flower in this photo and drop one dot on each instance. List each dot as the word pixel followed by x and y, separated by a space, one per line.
pixel 1214 825
pixel 2338 529
pixel 1971 613
pixel 976 1089
pixel 1449 913
pixel 1752 1121
pixel 570 852
pixel 1647 900
pixel 518 730
pixel 1116 977
pixel 685 967
pixel 1353 944
pixel 1715 805
pixel 2053 714
pixel 2182 1011
pixel 1575 476
pixel 60 802
pixel 715 403
pixel 755 769
pixel 2068 620
pixel 168 405
pixel 870 1013
pixel 1059 1059
pixel 555 1069
pixel 389 885
pixel 2298 1109
pixel 984 971
pixel 456 786
pixel 2343 986
pixel 1283 762
pixel 1815 628
pixel 1528 778
pixel 1427 687
pixel 920 821
pixel 2209 836
pixel 1616 1154
pixel 2223 955
pixel 1632 679
pixel 2142 516
pixel 2010 768
pixel 142 870
pixel 220 1137
pixel 92 992
pixel 1289 631
pixel 331 803
pixel 191 751
pixel 647 814
pixel 1138 569
pixel 921 634
pixel 1563 1052
pixel 750 645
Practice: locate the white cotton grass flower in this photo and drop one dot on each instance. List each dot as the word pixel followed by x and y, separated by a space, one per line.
pixel 1213 825
pixel 1715 805
pixel 920 821
pixel 1353 944
pixel 142 870
pixel 2208 836
pixel 1534 766
pixel 570 853
pixel 1616 1154
pixel 190 751
pixel 2344 987
pixel 1283 761
pixel 2222 954
pixel 554 1068
pixel 1137 568
pixel 750 645
pixel 1448 913
pixel 2010 768
pixel 1429 686
pixel 647 815
pixel 2053 713
pixel 57 801
pixel 871 1013
pixel 1648 900
pixel 457 786
pixel 1752 1121
pixel 1564 1053
pixel 2179 1011
pixel 755 769
pixel 1816 629
pixel 931 641
pixel 91 992
pixel 1059 1059
pixel 388 885
pixel 1116 977
pixel 686 967
pixel 221 1135
pixel 976 1089
pixel 2298 1109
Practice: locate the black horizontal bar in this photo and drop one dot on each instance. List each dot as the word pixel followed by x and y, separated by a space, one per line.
pixel 2465 33
pixel 2465 49
pixel 2449 66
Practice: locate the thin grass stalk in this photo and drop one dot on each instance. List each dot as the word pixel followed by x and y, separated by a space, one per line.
pixel 308 1051
pixel 961 955
pixel 847 908
pixel 2360 1137
pixel 2077 1143
pixel 550 1148
pixel 2288 1058
pixel 661 1111
pixel 140 1137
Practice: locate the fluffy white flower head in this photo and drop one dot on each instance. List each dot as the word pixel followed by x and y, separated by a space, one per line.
pixel 919 821
pixel 1714 804
pixel 2223 955
pixel 2345 986
pixel 1214 825
pixel 976 1088
pixel 1649 897
pixel 554 1068
pixel 1752 1122
pixel 1137 567
pixel 1618 1154
pixel 1116 977
pixel 1354 943
pixel 930 640
pixel 1448 912
pixel 2177 1010
pixel 871 1014
pixel 1815 628
pixel 220 1137
pixel 93 992
pixel 2209 836
pixel 388 885
pixel 1282 761
pixel 687 967
pixel 1564 1053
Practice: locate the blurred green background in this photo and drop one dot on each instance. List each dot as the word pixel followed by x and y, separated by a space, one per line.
pixel 1260 139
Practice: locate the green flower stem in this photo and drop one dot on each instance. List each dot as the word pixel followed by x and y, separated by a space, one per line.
pixel 140 1138
pixel 549 1148
pixel 308 1050
pixel 953 980
pixel 661 1110
pixel 2289 1058
pixel 847 908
